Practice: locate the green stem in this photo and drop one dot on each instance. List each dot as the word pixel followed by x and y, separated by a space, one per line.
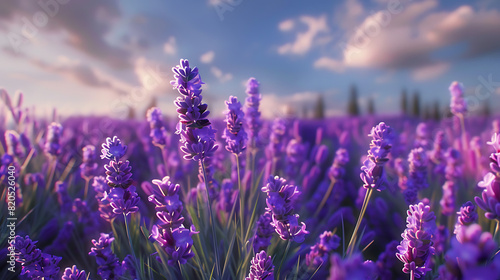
pixel 412 274
pixel 130 242
pixel 284 257
pixel 86 189
pixel 209 205
pixel 241 194
pixel 350 248
pixel 325 198
pixel 497 229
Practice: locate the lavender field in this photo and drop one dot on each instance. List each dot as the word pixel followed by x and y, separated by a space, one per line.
pixel 244 197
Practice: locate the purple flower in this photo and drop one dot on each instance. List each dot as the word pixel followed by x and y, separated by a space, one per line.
pixel 35 264
pixel 417 173
pixel 113 149
pixel 170 232
pixel 102 189
pixel 261 267
pixel 228 196
pixel 373 173
pixel 12 141
pixel 123 201
pixel 416 248
pixel 252 113
pixel 457 103
pixel 320 251
pixel 89 166
pixel 351 268
pixel 108 264
pixel 490 201
pixel 448 200
pixel 466 216
pixel 186 78
pixel 234 133
pixel 73 274
pixel 53 139
pixel 63 198
pixel 279 204
pixel 337 170
pixel 386 261
pixel 470 252
pixel 128 265
pixel 118 174
pixel 158 133
pixel 264 233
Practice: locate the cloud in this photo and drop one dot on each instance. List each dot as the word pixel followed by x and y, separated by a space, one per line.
pixel 329 64
pixel 429 72
pixel 305 40
pixel 153 76
pixel 83 74
pixel 222 77
pixel 170 47
pixel 286 25
pixel 84 25
pixel 419 38
pixel 207 57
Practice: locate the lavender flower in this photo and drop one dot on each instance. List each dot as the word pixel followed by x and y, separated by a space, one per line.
pixel 128 265
pixel 89 166
pixel 490 201
pixel 373 173
pixel 63 198
pixel 122 196
pixel 279 204
pixel 170 232
pixel 35 264
pixel 261 268
pixel 466 216
pixel 12 141
pixel 470 254
pixel 263 233
pixel 252 113
pixel 53 139
pixel 197 136
pixel 416 248
pixel 234 133
pixel 158 133
pixel 228 196
pixel 457 103
pixel 73 274
pixel 337 170
pixel 417 173
pixel 102 189
pixel 386 261
pixel 448 200
pixel 319 252
pixel 108 264
pixel 350 268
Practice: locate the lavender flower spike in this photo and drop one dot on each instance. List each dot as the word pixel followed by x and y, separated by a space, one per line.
pixel 373 174
pixel 457 103
pixel 319 252
pixel 490 201
pixel 73 274
pixel 279 204
pixel 234 133
pixel 158 132
pixel 261 268
pixel 52 143
pixel 89 166
pixel 416 248
pixel 109 266
pixel 466 216
pixel 252 113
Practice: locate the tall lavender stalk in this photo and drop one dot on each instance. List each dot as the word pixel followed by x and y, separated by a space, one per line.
pixel 416 248
pixel 197 136
pixel 372 172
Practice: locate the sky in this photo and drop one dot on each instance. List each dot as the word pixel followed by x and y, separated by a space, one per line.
pixel 101 57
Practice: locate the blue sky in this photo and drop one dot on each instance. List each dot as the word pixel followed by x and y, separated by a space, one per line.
pixel 97 57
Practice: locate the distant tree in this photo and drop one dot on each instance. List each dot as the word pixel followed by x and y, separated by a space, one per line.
pixel 404 102
pixel 352 106
pixel 416 104
pixel 427 112
pixel 319 108
pixel 371 106
pixel 436 112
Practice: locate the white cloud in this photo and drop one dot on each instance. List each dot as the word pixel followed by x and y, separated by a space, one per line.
pixel 152 76
pixel 329 64
pixel 207 57
pixel 170 47
pixel 222 77
pixel 430 71
pixel 304 41
pixel 286 25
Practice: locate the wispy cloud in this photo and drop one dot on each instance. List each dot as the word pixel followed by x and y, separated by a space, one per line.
pixel 305 40
pixel 170 47
pixel 222 77
pixel 207 57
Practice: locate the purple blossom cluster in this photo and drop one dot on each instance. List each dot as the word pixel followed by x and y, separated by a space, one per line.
pixel 35 264
pixel 279 204
pixel 373 173
pixel 252 113
pixel 158 132
pixel 170 232
pixel 234 133
pixel 490 197
pixel 261 268
pixel 109 266
pixel 416 248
